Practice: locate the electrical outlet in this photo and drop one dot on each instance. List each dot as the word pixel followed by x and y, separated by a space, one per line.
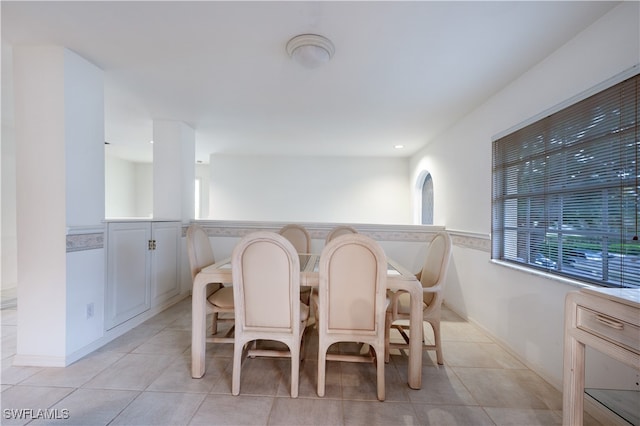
pixel 90 310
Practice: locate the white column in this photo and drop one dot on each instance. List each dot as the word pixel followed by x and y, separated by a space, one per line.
pixel 173 170
pixel 59 124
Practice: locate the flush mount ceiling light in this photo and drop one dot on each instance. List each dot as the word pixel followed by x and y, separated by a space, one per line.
pixel 310 50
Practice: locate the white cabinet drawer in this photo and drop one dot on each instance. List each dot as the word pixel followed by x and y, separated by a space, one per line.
pixel 611 328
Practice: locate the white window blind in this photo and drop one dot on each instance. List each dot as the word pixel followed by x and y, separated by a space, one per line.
pixel 565 190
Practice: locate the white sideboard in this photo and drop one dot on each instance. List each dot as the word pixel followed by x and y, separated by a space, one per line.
pixel 142 267
pixel 606 319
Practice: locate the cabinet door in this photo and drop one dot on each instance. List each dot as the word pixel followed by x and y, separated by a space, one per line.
pixel 165 260
pixel 128 271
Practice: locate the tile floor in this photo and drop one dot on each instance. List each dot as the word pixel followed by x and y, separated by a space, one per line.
pixel 143 378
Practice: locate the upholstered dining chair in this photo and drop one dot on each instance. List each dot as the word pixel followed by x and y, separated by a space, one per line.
pixel 352 302
pixel 298 236
pixel 301 240
pixel 432 277
pixel 266 286
pixel 340 230
pixel 219 297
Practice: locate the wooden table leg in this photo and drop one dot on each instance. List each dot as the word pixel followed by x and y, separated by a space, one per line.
pixel 198 328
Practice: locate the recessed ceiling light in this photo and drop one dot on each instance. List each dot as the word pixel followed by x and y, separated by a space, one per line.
pixel 399 146
pixel 150 141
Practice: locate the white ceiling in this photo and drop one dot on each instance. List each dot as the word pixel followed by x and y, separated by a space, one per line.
pixel 401 74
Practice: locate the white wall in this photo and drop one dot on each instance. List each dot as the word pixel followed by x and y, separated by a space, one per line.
pixel 119 187
pixel 59 133
pixel 128 188
pixel 8 240
pixel 522 310
pixel 143 189
pixel 310 189
pixel 202 172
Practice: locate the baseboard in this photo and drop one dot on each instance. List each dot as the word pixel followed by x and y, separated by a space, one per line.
pixel 38 361
pixel 48 361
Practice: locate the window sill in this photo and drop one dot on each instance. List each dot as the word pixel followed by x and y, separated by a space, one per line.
pixel 552 277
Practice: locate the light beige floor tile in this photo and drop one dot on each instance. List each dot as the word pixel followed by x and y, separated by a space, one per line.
pixel 440 385
pixel 462 331
pixel 218 350
pixel 148 370
pixel 306 411
pixel 478 354
pixel 12 374
pixel 451 415
pixel 130 340
pixel 76 374
pixel 258 376
pixel 519 417
pixel 233 410
pixel 31 398
pixel 359 382
pixel 309 381
pixel 166 342
pixel 379 413
pixel 180 310
pixel 306 382
pixel 131 372
pixel 509 388
pixel 160 408
pixel 177 376
pixel 91 407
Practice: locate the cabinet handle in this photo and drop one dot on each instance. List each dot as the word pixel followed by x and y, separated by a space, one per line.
pixel 151 244
pixel 610 322
pixel 154 244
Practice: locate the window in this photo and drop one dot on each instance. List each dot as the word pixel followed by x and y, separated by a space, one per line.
pixel 565 190
pixel 427 201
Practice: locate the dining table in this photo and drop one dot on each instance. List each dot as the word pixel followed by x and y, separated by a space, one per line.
pixel 398 279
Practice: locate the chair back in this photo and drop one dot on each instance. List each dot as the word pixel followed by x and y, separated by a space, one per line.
pixel 199 249
pixel 298 236
pixel 436 264
pixel 266 285
pixel 352 289
pixel 340 230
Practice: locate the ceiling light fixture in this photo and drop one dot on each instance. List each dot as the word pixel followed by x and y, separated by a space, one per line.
pixel 310 50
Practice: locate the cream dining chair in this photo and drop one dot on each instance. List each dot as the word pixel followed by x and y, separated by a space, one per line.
pixel 301 240
pixel 298 236
pixel 352 302
pixel 432 277
pixel 339 230
pixel 266 286
pixel 219 297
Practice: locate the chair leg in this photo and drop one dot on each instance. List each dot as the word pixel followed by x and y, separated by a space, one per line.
pixel 380 371
pixel 295 370
pixel 214 323
pixel 238 350
pixel 322 367
pixel 387 335
pixel 435 325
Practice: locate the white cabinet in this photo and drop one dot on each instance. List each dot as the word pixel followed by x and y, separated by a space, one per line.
pixel 142 267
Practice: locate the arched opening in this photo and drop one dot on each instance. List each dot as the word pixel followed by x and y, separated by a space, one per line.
pixel 427 201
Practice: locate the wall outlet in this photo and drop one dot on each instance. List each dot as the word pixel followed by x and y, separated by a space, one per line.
pixel 90 310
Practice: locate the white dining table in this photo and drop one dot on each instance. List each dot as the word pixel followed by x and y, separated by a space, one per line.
pixel 398 278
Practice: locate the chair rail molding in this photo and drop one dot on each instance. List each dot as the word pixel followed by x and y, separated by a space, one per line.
pixel 81 238
pixel 317 230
